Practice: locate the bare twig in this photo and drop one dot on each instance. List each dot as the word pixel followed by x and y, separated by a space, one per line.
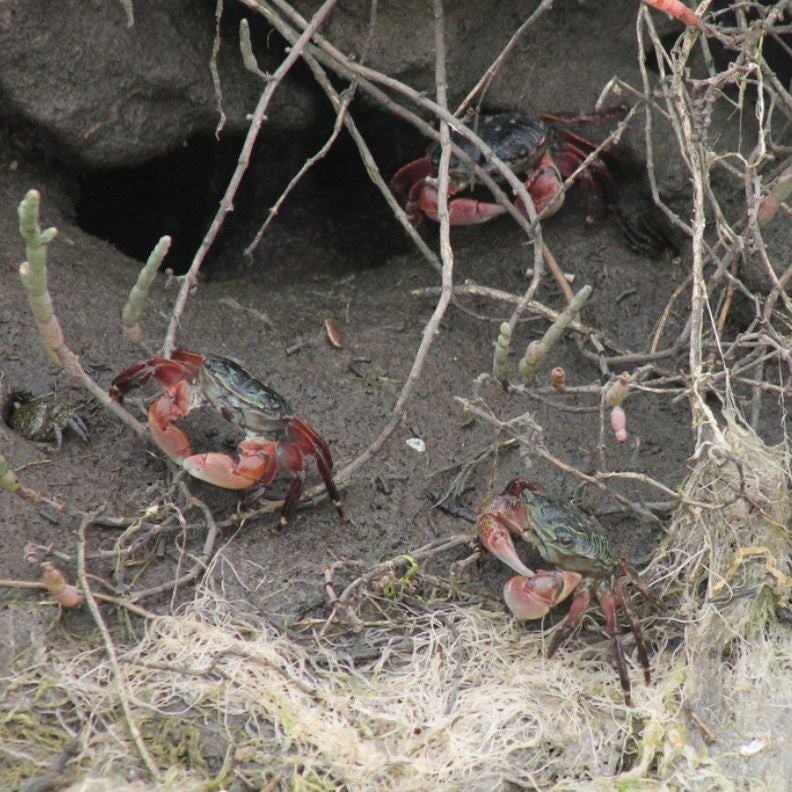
pixel 118 675
pixel 190 279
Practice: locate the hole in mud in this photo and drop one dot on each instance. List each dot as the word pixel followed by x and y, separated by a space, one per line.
pixel 176 194
pixel 335 220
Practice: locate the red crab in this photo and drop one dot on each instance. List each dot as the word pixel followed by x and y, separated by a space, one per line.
pixel 573 541
pixel 191 380
pixel 524 144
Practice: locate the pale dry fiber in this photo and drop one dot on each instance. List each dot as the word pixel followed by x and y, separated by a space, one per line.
pixel 471 702
pixel 730 568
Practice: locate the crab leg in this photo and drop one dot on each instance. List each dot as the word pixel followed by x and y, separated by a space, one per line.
pixel 580 604
pixel 309 441
pixel 293 495
pixel 609 604
pixel 635 627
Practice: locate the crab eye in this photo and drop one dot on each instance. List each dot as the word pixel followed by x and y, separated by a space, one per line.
pixel 565 540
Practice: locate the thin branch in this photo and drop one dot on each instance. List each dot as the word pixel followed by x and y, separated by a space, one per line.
pixel 190 279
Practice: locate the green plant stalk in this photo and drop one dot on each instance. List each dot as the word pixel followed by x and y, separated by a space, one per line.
pixel 537 350
pixel 618 390
pixel 770 204
pixel 130 316
pixel 8 480
pixel 534 354
pixel 501 353
pixel 33 274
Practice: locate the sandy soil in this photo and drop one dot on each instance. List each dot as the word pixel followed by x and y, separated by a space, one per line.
pixel 347 394
pixel 271 320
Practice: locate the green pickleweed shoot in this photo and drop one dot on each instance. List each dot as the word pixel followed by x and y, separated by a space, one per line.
pixel 771 203
pixel 537 350
pixel 618 390
pixel 8 480
pixel 501 353
pixel 130 316
pixel 614 395
pixel 33 274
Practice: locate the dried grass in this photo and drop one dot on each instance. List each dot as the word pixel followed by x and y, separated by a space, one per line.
pixel 460 697
pixel 468 700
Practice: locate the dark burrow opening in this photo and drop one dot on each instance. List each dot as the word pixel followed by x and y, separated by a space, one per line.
pixel 334 220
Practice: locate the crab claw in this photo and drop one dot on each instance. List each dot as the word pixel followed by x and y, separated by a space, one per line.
pixel 495 537
pixel 256 462
pixel 533 597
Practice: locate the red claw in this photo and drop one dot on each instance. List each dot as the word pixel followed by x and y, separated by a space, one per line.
pixel 190 380
pixel 533 597
pixel 494 536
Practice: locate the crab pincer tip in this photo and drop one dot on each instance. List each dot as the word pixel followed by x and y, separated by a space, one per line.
pixel 495 537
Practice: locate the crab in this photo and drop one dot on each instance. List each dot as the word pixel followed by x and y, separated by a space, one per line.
pixel 191 380
pixel 585 564
pixel 42 419
pixel 526 145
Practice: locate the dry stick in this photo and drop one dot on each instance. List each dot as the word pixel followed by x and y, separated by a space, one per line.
pixel 512 427
pixel 778 289
pixel 532 306
pixel 550 260
pixel 90 603
pixel 643 19
pixel 201 563
pixel 338 62
pixel 558 274
pixel 341 112
pixel 227 203
pixel 446 253
pixel 441 80
pixel 306 166
pixel 433 325
pixel 341 109
pixel 366 74
pixel 117 601
pixel 666 315
pixel 489 75
pixel 10 483
pixel 422 553
pixel 368 160
pixel 429 331
pixel 695 158
pixel 346 473
pixel 695 163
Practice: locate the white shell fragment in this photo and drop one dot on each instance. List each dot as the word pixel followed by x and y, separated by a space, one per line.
pixel 416 444
pixel 752 747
